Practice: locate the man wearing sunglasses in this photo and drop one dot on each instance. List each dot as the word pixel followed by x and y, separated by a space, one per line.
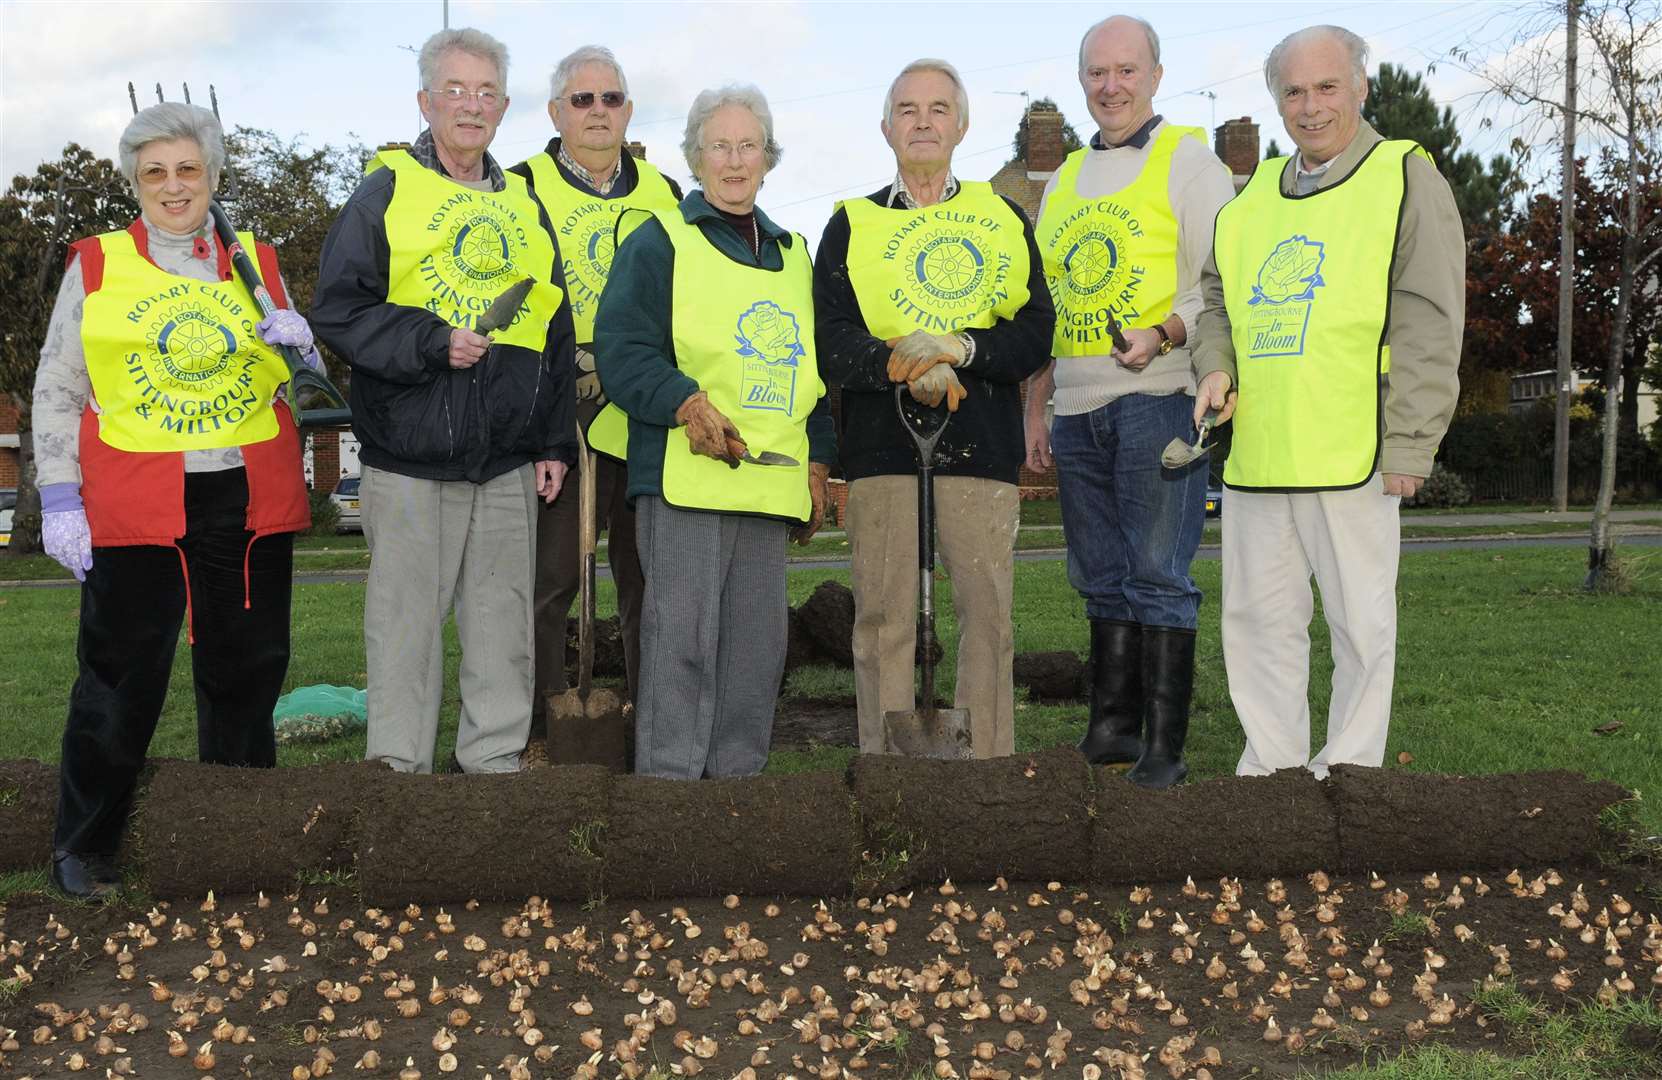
pixel 584 180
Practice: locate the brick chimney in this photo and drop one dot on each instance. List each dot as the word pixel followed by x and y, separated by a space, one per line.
pixel 1045 149
pixel 1237 144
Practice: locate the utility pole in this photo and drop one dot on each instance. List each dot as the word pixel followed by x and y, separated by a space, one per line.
pixel 1566 276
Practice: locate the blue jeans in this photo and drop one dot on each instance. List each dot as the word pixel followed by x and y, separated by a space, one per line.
pixel 1132 526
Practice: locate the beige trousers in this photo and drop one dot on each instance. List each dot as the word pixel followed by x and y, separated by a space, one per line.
pixel 975 527
pixel 436 548
pixel 1272 544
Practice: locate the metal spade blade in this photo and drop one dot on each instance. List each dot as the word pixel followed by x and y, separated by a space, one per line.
pixel 504 307
pixel 769 457
pixel 1179 453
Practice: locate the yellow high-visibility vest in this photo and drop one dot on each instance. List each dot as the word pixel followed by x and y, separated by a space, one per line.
pixel 943 268
pixel 584 224
pixel 175 363
pixel 1307 284
pixel 453 250
pixel 746 336
pixel 1112 255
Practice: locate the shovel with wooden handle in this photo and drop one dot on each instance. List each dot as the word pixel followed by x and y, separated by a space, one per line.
pixel 586 724
pixel 926 731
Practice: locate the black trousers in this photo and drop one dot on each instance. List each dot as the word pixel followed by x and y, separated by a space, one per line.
pixel 132 605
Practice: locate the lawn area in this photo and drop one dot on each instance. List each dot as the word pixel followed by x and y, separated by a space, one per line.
pixel 1503 664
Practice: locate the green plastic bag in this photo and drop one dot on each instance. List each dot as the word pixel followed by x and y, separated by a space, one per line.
pixel 319 713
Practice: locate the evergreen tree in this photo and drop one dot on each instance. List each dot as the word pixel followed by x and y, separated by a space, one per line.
pixel 1400 107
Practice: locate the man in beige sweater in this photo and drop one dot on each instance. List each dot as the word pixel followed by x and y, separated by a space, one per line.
pixel 1124 228
pixel 1335 303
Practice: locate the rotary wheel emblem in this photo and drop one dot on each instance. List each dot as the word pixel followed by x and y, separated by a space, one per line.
pixel 1090 263
pixel 950 266
pixel 195 347
pixel 482 249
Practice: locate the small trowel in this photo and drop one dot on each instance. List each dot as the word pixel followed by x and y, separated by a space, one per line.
pixel 740 452
pixel 504 307
pixel 1179 453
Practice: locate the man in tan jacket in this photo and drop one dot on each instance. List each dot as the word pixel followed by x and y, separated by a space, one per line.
pixel 1334 303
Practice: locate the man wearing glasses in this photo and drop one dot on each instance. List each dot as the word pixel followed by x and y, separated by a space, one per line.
pixel 583 179
pixel 461 433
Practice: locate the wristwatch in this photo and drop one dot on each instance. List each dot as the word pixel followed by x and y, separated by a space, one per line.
pixel 1166 344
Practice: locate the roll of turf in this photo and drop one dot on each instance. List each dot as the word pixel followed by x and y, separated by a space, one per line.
pixel 789 835
pixel 1245 826
pixel 488 837
pixel 1026 816
pixel 1395 820
pixel 200 827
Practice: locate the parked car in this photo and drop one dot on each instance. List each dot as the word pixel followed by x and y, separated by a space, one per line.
pixel 1214 500
pixel 8 503
pixel 345 498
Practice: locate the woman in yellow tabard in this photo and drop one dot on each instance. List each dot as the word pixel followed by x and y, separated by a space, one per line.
pixel 705 345
pixel 171 484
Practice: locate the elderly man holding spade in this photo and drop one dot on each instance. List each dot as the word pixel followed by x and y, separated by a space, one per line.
pixel 1334 309
pixel 933 283
pixel 584 179
pixel 463 431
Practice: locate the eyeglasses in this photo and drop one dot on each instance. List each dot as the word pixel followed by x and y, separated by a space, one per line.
pixel 583 99
pixel 455 95
pixel 155 175
pixel 748 149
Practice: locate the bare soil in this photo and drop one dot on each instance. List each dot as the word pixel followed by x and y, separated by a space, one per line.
pixel 999 980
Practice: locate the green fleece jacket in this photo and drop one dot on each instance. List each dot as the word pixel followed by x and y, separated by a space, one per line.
pixel 634 339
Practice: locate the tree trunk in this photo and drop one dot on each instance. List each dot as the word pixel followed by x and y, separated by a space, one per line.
pixel 1566 277
pixel 1601 550
pixel 26 517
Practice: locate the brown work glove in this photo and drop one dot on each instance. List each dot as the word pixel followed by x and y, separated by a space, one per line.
pixel 708 431
pixel 819 494
pixel 917 352
pixel 937 383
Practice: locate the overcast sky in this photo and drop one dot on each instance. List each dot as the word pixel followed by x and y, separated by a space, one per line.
pixel 327 72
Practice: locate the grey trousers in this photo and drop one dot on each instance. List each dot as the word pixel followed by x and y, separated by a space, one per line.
pixel 713 628
pixel 438 546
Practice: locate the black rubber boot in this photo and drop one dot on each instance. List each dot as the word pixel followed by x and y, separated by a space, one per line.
pixel 85 877
pixel 1115 735
pixel 1168 686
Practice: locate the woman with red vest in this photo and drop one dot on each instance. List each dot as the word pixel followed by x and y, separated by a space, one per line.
pixel 170 483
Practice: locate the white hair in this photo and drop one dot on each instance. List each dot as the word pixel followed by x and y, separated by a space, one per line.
pixel 567 69
pixel 705 105
pixel 942 67
pixel 464 39
pixel 1143 24
pixel 173 120
pixel 1354 45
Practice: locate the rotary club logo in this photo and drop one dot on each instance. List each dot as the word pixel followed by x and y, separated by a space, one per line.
pixel 949 267
pixel 479 249
pixel 193 346
pixel 1090 263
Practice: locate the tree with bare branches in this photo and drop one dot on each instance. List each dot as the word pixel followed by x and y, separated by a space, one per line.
pixel 1617 94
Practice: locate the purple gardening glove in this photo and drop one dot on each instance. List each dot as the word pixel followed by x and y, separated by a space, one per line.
pixel 285 326
pixel 63 528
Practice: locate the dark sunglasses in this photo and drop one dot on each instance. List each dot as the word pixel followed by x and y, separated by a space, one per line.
pixel 583 99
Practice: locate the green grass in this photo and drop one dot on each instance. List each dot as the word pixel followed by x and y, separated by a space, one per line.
pixel 1589 1043
pixel 1503 665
